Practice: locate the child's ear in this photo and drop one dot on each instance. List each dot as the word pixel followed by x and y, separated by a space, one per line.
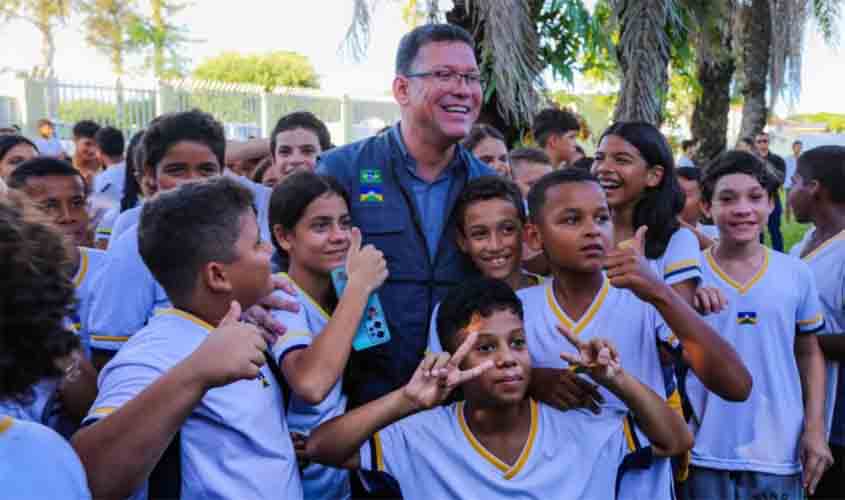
pixel 281 237
pixel 654 176
pixel 215 277
pixel 461 240
pixel 532 237
pixel 704 207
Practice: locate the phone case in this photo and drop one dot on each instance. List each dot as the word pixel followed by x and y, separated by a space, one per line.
pixel 372 330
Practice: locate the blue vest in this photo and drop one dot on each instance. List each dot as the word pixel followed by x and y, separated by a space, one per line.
pixel 384 208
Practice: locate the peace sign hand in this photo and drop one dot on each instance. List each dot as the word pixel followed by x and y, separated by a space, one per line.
pixel 597 357
pixel 438 374
pixel 628 268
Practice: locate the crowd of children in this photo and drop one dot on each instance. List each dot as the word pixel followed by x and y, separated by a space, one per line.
pixel 170 326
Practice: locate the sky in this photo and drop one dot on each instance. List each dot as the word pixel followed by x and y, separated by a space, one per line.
pixel 316 28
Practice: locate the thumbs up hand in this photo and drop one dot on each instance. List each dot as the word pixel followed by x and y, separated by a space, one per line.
pixel 627 267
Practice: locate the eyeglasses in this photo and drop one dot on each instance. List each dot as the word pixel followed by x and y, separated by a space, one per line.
pixel 445 77
pixel 762 141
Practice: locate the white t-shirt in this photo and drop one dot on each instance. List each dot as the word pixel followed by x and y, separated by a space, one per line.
pixel 681 260
pixel 434 455
pixel 760 434
pixel 49 147
pixel 110 183
pixel 41 405
pixel 318 481
pixel 38 464
pixel 235 443
pixel 91 263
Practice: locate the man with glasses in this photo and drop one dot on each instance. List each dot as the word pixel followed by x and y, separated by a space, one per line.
pixel 403 185
pixel 777 168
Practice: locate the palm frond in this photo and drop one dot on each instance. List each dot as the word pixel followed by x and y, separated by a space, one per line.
pixel 357 38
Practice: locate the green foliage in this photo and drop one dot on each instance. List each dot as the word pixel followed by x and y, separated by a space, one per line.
pixel 132 115
pixel 571 39
pixel 271 70
pixel 107 25
pixel 71 112
pixel 162 41
pixel 835 122
pixel 596 110
pixel 37 12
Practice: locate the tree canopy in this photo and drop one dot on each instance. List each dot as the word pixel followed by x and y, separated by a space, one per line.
pixel 271 70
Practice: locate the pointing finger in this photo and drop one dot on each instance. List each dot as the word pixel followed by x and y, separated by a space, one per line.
pixel 570 337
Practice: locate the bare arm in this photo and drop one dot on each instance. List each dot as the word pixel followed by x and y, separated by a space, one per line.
pixel 248 150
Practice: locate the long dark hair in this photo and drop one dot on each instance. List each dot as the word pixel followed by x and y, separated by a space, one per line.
pixel 131 188
pixel 659 206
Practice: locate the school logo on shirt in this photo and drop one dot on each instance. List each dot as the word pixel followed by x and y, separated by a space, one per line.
pixel 370 176
pixel 746 318
pixel 371 194
pixel 264 382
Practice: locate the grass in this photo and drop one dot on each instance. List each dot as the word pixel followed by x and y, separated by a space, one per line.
pixel 792 231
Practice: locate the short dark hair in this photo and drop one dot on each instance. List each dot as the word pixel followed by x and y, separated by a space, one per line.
pixel 537 194
pixel 553 121
pixel 45 121
pixel 302 119
pixel 37 295
pixel 292 196
pixel 131 188
pixel 482 296
pixel 530 155
pixel 826 165
pixel 262 168
pixel 7 142
pixel 412 42
pixel 184 229
pixel 798 142
pixel 193 126
pixel 687 144
pixel 479 132
pixel 736 162
pixel 747 141
pixel 43 166
pixel 488 187
pixel 85 129
pixel 689 173
pixel 110 141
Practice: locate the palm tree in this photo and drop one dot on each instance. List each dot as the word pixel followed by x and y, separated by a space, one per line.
pixel 45 15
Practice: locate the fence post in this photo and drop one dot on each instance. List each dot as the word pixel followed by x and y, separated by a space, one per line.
pixel 30 98
pixel 264 114
pixel 346 118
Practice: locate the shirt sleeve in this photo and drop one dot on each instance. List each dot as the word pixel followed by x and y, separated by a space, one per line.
pixel 123 223
pixel 120 381
pixel 682 259
pixel 127 296
pixel 388 451
pixel 810 318
pixel 104 228
pixel 297 333
pixel 433 338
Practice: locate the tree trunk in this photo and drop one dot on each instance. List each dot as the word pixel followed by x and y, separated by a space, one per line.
pixel 643 54
pixel 715 70
pixel 756 47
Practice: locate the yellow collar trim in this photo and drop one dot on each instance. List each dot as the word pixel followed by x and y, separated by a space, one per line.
pixel 587 317
pixel 509 471
pixel 185 315
pixel 742 289
pixel 6 423
pixel 309 298
pixel 838 237
pixel 83 268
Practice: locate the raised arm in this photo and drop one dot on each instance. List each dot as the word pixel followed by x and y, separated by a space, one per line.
pixel 313 371
pixel 120 451
pixel 712 359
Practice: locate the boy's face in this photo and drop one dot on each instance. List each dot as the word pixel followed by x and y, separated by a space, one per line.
pixel 296 149
pixel 250 274
pixel 501 339
pixel 63 199
pixel 184 162
pixel 692 208
pixel 801 198
pixel 14 157
pixel 564 145
pixel 45 130
pixel 320 240
pixel 529 173
pixel 492 237
pixel 494 154
pixel 86 149
pixel 574 229
pixel 740 208
pixel 623 172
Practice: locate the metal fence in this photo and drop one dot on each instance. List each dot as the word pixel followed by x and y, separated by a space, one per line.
pixel 245 110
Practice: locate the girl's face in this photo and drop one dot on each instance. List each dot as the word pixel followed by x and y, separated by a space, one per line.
pixel 623 172
pixel 14 157
pixel 320 239
pixel 494 153
pixel 492 237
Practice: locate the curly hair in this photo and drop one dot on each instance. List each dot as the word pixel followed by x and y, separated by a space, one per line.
pixel 36 295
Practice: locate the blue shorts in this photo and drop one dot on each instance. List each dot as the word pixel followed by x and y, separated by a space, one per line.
pixel 713 484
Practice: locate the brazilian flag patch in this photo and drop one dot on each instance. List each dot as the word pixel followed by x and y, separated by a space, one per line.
pixel 371 194
pixel 746 318
pixel 370 176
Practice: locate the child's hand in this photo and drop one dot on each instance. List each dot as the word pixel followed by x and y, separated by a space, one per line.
pixel 300 446
pixel 233 351
pixel 709 300
pixel 261 313
pixel 565 390
pixel 365 267
pixel 815 458
pixel 628 268
pixel 598 358
pixel 438 374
